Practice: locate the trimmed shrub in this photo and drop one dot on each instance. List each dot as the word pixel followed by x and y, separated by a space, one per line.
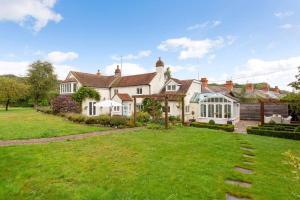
pixel 174 119
pixel 211 122
pixel 75 117
pixel 297 129
pixel 143 117
pixel 274 133
pixel 104 120
pixel 64 104
pixel 92 120
pixel 225 127
pixel 118 120
pixel 272 122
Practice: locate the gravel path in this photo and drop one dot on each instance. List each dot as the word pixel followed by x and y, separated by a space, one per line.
pixel 63 138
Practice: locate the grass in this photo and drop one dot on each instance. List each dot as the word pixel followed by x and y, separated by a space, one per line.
pixel 182 163
pixel 21 123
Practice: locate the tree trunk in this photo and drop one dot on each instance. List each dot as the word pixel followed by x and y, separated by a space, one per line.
pixel 7 103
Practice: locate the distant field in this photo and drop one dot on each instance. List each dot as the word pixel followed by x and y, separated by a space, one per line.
pixel 20 123
pixel 181 163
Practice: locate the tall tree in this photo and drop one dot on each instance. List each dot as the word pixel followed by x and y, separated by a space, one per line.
pixel 296 84
pixel 42 80
pixel 11 90
pixel 168 73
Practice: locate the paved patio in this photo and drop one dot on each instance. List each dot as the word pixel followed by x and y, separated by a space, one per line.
pixel 241 126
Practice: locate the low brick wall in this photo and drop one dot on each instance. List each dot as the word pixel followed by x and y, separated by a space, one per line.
pixel 252 111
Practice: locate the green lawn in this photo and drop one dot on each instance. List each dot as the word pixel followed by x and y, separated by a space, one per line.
pixel 182 163
pixel 20 123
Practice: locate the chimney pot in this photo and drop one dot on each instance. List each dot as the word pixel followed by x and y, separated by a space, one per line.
pixel 249 87
pixel 229 85
pixel 276 90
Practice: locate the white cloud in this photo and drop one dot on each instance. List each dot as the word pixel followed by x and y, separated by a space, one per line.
pixel 276 72
pixel 20 68
pixel 26 12
pixel 139 55
pixel 59 57
pixel 127 69
pixel 207 24
pixel 191 48
pixel 283 14
pixel 286 26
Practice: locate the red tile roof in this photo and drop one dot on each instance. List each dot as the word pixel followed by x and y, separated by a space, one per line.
pixel 69 80
pixel 124 96
pixel 134 80
pixel 93 80
pixel 184 87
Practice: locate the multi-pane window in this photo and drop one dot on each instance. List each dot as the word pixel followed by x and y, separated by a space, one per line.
pixel 68 87
pixel 139 90
pixel 171 87
pixel 74 87
pixel 227 111
pixel 211 110
pixel 92 108
pixel 187 109
pixel 116 108
pixel 203 110
pixel 219 111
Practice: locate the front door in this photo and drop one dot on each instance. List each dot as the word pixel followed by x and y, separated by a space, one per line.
pixel 125 110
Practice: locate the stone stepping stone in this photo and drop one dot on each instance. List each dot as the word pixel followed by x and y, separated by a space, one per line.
pixel 238 183
pixel 231 197
pixel 247 148
pixel 247 163
pixel 248 156
pixel 243 170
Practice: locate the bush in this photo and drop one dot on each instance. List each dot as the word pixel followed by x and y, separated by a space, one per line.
pixel 143 117
pixel 104 120
pixel 118 120
pixel 174 119
pixel 74 117
pixel 274 133
pixel 92 120
pixel 279 128
pixel 212 122
pixel 225 127
pixel 64 104
pixel 297 129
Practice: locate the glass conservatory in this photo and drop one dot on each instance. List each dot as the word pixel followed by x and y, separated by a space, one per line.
pixel 218 107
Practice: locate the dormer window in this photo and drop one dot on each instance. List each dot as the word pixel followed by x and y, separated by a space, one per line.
pixel 171 87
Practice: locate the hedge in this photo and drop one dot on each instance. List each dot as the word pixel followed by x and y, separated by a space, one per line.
pixel 224 127
pixel 274 133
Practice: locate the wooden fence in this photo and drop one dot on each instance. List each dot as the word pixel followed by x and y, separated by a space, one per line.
pixel 252 111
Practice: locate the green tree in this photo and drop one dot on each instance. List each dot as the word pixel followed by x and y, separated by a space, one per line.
pixel 153 107
pixel 294 101
pixel 42 80
pixel 11 90
pixel 296 84
pixel 85 92
pixel 168 73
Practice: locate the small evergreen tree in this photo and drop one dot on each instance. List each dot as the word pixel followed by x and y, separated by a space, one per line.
pixel 153 107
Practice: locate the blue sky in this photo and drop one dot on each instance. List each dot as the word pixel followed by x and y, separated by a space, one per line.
pixel 246 41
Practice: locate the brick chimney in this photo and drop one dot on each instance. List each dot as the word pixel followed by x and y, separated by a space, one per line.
pixel 98 73
pixel 265 87
pixel 229 85
pixel 276 90
pixel 204 83
pixel 249 87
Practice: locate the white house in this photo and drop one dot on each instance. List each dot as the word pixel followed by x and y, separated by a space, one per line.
pixel 121 89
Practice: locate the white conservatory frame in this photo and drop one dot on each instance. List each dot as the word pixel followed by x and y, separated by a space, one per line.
pixel 219 108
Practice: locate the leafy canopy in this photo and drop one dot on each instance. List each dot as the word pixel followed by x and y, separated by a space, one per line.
pixel 153 107
pixel 42 80
pixel 294 101
pixel 296 84
pixel 11 90
pixel 86 92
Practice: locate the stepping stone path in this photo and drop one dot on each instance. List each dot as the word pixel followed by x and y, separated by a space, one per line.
pixel 231 197
pixel 248 153
pixel 243 170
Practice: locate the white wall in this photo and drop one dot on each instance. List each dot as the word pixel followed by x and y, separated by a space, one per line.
pixel 157 83
pixel 132 90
